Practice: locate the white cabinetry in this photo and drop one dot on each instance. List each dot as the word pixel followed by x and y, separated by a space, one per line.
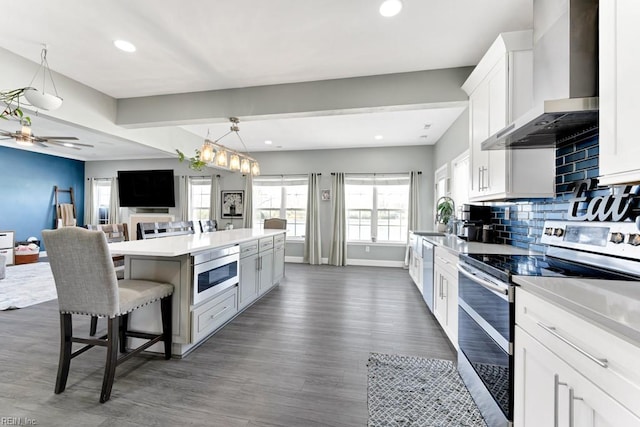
pixel 500 90
pixel 248 280
pixel 445 290
pixel 415 260
pixel 6 246
pixel 619 91
pixel 569 372
pixel 278 257
pixel 265 265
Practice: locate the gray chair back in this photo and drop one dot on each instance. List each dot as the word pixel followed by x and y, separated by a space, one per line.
pixel 208 225
pixel 83 271
pixel 114 232
pixel 275 224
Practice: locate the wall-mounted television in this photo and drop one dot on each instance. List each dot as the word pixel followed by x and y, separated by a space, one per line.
pixel 146 189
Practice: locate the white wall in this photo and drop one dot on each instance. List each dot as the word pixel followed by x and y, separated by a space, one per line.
pixel 454 141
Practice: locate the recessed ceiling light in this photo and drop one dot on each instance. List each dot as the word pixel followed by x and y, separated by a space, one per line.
pixel 124 46
pixel 378 137
pixel 268 142
pixel 390 8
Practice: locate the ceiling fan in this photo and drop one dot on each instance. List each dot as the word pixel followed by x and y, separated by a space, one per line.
pixel 25 138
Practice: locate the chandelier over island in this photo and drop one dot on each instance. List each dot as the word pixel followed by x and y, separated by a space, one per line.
pixel 213 153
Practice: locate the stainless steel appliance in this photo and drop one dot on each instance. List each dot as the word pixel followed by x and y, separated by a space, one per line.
pixel 565 78
pixel 603 250
pixel 473 217
pixel 214 271
pixel 427 273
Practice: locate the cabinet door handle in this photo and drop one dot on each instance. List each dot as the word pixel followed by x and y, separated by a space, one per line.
pixel 572 399
pixel 486 170
pixel 480 179
pixel 552 330
pixel 556 398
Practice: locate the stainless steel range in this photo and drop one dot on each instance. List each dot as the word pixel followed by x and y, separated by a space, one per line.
pixel 603 250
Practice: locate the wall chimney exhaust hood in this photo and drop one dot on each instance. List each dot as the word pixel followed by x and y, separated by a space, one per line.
pixel 565 77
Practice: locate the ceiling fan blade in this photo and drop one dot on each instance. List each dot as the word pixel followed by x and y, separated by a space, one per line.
pixel 70 138
pixel 73 145
pixel 5 133
pixel 39 143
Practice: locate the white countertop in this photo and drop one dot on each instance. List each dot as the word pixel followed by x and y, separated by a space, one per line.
pixel 614 304
pixel 189 244
pixel 457 245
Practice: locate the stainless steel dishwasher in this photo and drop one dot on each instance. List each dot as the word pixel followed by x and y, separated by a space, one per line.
pixel 427 272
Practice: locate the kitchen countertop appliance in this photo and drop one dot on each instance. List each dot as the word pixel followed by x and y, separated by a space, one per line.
pixel 486 318
pixel 473 218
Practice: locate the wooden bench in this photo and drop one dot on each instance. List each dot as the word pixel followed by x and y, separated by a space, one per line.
pixel 154 230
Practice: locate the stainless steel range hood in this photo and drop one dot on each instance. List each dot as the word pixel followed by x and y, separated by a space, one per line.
pixel 565 77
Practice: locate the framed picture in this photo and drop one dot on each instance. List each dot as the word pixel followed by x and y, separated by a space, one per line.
pixel 326 194
pixel 232 204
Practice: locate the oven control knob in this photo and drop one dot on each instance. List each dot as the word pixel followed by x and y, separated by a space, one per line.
pixel 634 239
pixel 617 238
pixel 548 231
pixel 558 232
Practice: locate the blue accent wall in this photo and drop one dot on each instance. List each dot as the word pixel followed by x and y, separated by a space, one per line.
pixel 26 190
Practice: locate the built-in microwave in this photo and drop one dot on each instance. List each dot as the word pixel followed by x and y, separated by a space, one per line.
pixel 214 271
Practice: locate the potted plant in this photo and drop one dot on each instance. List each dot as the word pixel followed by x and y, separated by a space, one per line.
pixel 444 209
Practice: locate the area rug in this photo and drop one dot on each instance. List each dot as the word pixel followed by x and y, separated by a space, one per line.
pixel 414 391
pixel 26 284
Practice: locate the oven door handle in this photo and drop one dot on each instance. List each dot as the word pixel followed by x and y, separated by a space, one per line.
pixel 482 282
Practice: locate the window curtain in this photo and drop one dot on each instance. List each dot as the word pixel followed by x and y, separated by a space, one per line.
pixel 413 219
pixel 114 202
pixel 247 203
pixel 183 194
pixel 90 214
pixel 338 251
pixel 215 200
pixel 312 241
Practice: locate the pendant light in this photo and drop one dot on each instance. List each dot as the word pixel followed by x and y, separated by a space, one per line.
pixel 39 98
pixel 213 152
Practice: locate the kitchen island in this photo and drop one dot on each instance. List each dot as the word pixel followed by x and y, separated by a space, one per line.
pixel 243 265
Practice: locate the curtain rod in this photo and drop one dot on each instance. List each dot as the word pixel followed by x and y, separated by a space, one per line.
pixel 376 173
pixel 284 175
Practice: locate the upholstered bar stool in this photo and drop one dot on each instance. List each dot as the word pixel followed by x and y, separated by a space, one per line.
pixel 86 283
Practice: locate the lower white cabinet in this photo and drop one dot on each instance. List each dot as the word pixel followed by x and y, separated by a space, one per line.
pixel 265 271
pixel 209 316
pixel 278 258
pixel 261 268
pixel 248 280
pixel 569 372
pixel 445 292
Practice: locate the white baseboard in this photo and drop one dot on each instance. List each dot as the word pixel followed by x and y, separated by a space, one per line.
pixel 294 259
pixel 375 263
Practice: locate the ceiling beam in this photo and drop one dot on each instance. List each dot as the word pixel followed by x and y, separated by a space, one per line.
pixel 402 91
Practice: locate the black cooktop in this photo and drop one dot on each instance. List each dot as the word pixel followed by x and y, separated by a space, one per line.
pixel 538 265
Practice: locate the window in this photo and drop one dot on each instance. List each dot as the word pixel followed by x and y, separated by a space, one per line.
pixel 199 198
pixel 460 172
pixel 281 197
pixel 377 207
pixel 102 197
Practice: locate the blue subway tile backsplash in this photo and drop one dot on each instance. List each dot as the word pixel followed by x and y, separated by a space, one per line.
pixel 523 226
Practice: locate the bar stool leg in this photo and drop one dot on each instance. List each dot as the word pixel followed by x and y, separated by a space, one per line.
pixel 166 305
pixel 94 325
pixel 124 325
pixel 65 352
pixel 112 358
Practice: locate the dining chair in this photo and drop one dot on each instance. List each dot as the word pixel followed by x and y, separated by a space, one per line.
pixel 275 224
pixel 86 284
pixel 114 233
pixel 208 225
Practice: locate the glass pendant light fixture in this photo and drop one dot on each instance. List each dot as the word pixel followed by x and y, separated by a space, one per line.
pixel 213 152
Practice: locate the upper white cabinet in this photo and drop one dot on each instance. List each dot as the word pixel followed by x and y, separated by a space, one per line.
pixel 500 89
pixel 619 91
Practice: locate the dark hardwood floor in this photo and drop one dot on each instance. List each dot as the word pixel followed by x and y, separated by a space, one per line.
pixel 295 358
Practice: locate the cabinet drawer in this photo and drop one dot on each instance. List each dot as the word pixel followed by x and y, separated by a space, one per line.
pixel 605 359
pixel 446 260
pixel 266 243
pixel 6 239
pixel 8 254
pixel 279 239
pixel 248 248
pixel 213 314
